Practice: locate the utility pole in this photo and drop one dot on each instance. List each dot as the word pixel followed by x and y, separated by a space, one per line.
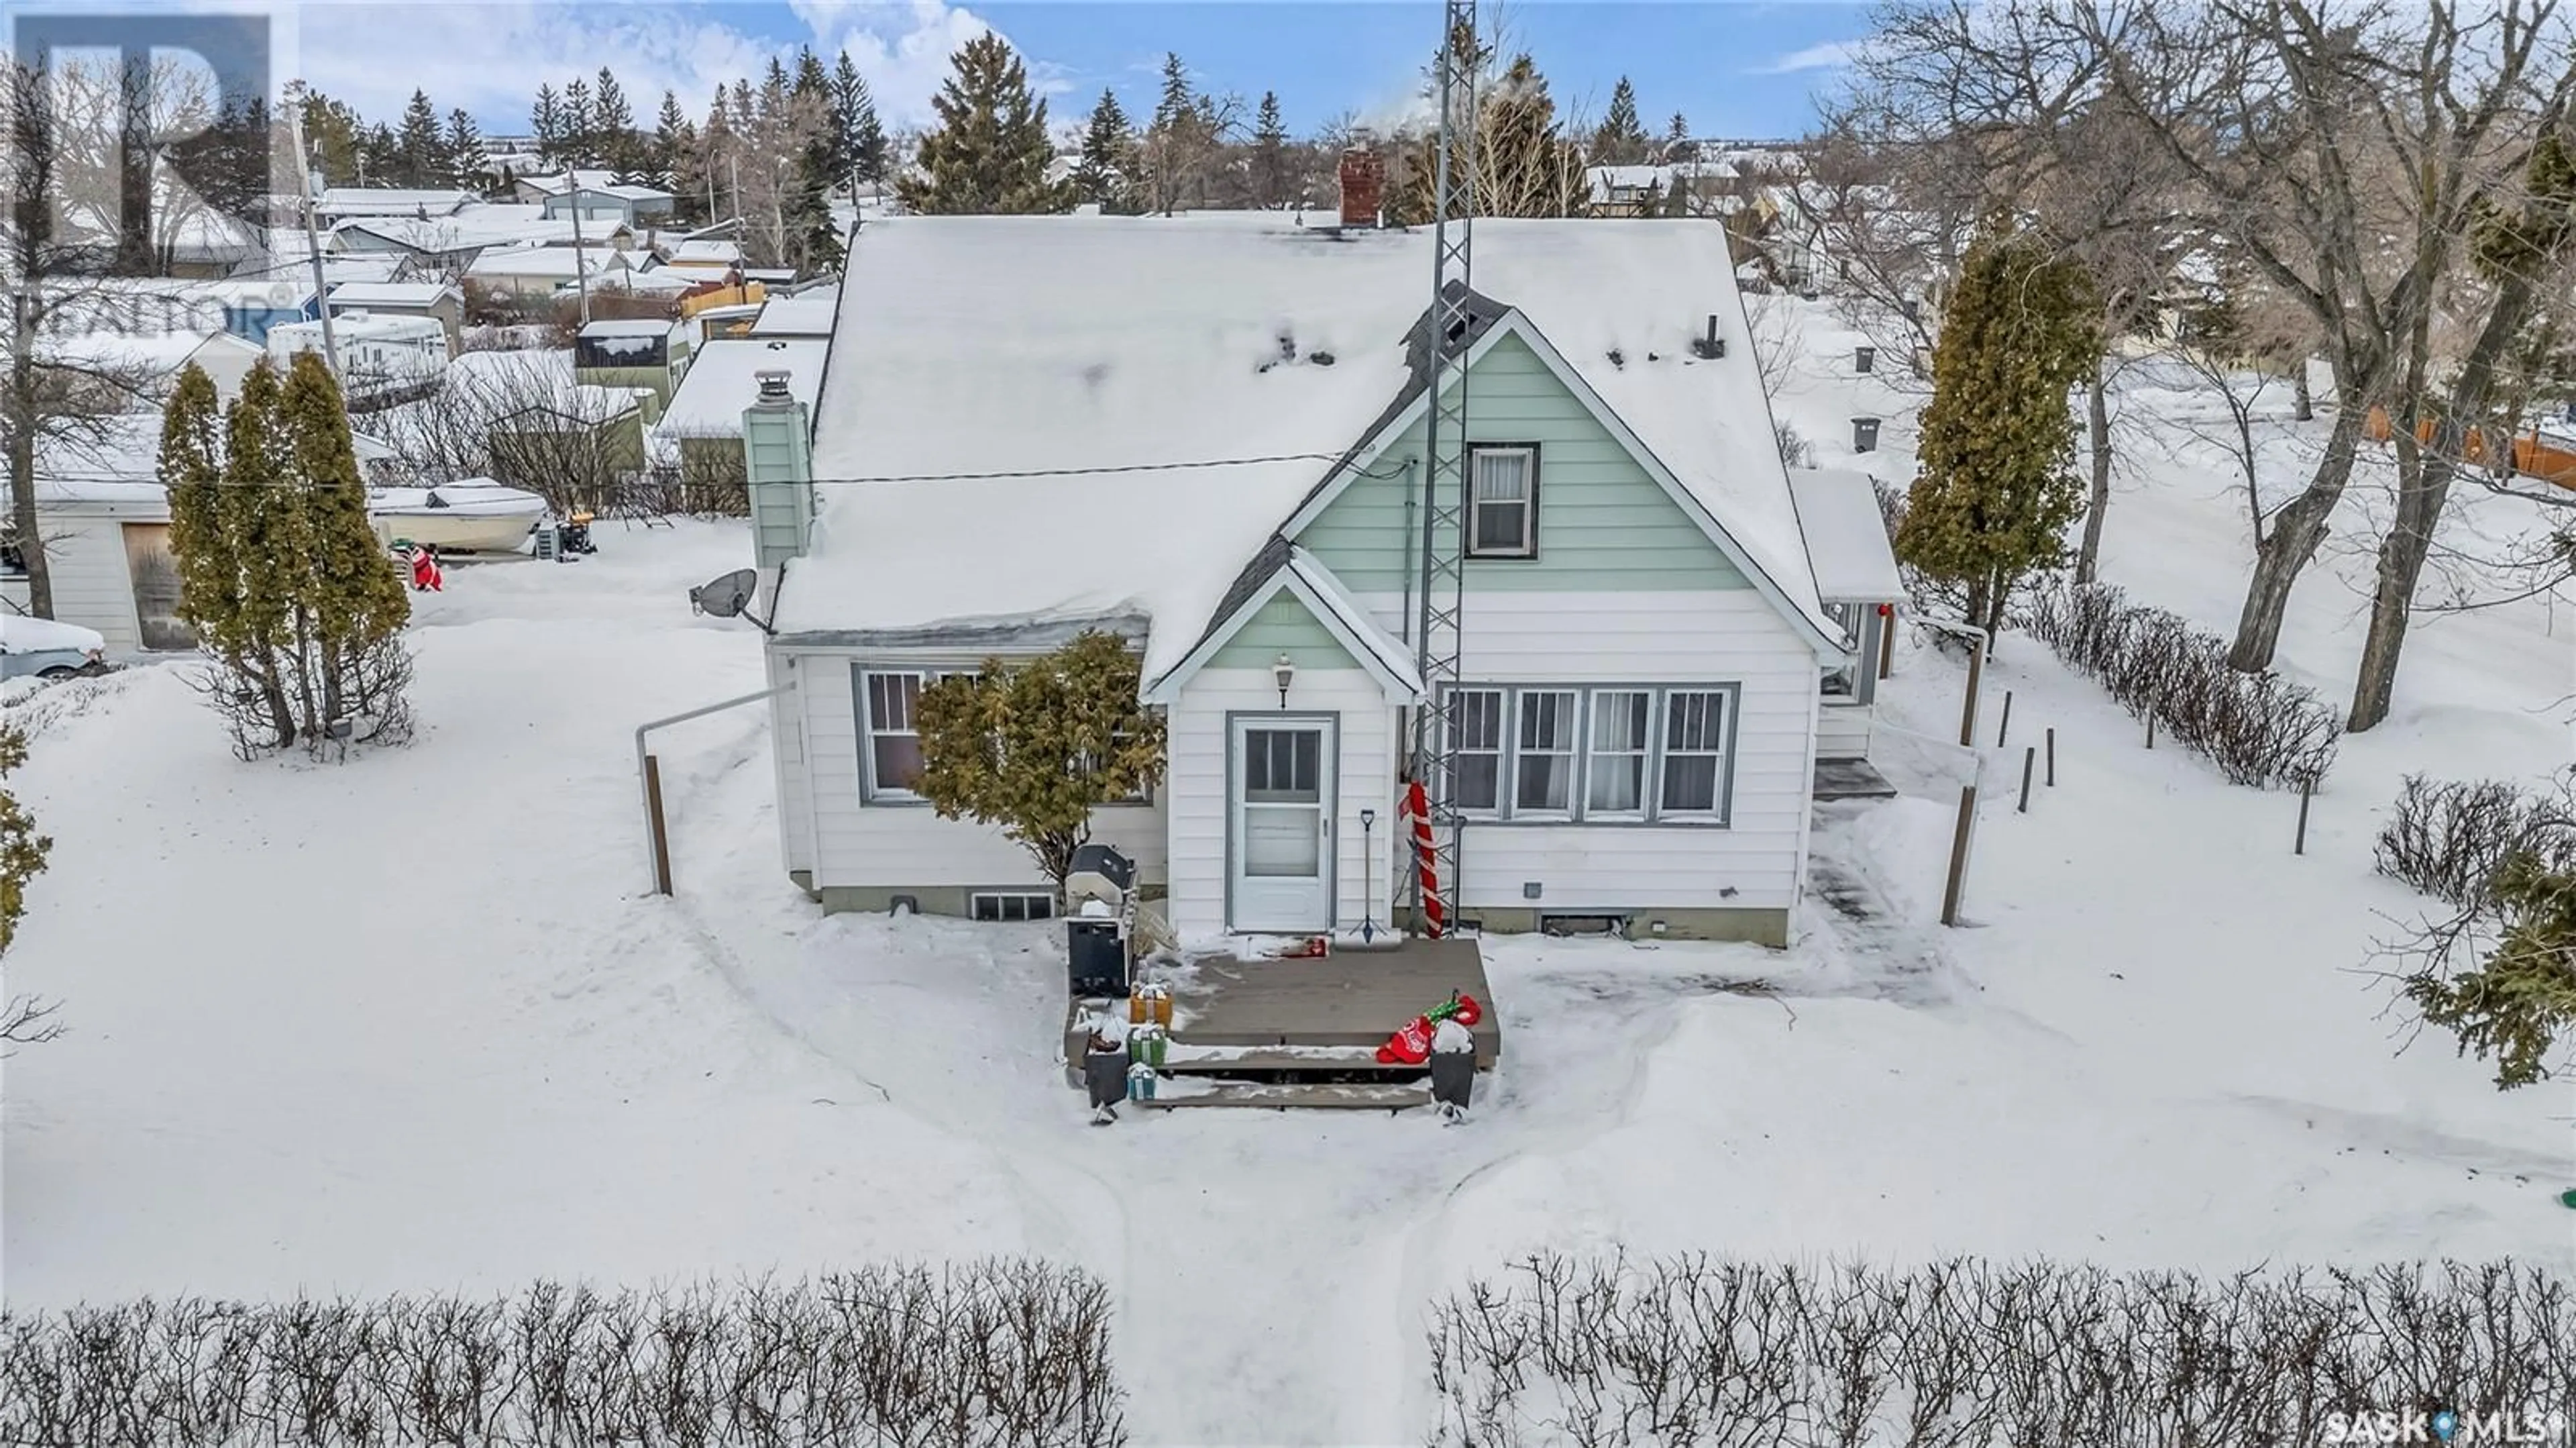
pixel 312 179
pixel 580 274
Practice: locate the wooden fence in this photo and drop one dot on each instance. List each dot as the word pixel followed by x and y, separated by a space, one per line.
pixel 2532 457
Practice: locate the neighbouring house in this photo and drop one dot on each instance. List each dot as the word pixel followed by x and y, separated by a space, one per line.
pixel 647 355
pixel 1845 531
pixel 105 519
pixel 447 245
pixel 544 430
pixel 535 272
pixel 373 354
pixel 441 302
pixel 1208 435
pixel 343 203
pixel 807 312
pixel 722 251
pixel 700 433
pixel 149 364
pixel 611 204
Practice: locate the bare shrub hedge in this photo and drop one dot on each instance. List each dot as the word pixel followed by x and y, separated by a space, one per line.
pixel 992 1353
pixel 2447 837
pixel 1697 1350
pixel 2259 729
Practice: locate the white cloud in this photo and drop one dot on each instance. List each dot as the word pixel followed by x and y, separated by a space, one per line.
pixel 1831 55
pixel 490 56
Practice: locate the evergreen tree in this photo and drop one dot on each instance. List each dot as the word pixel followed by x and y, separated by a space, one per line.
pixel 420 147
pixel 580 124
pixel 706 166
pixel 673 139
pixel 613 128
pixel 854 115
pixel 1269 153
pixel 1105 175
pixel 468 165
pixel 1178 101
pixel 22 858
pixel 991 150
pixel 2519 1007
pixel 546 123
pixel 1526 167
pixel 1621 138
pixel 331 132
pixel 1676 131
pixel 1997 486
pixel 379 154
pixel 280 572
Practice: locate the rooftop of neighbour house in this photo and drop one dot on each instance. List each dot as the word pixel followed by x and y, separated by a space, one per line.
pixel 805 313
pixel 486 225
pixel 391 294
pixel 390 201
pixel 117 460
pixel 1172 390
pixel 723 379
pixel 1846 535
pixel 539 382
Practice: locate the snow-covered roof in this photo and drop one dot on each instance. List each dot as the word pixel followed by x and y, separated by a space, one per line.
pixel 1846 536
pixel 149 354
pixel 390 294
pixel 990 345
pixel 708 248
pixel 723 378
pixel 552 183
pixel 535 261
pixel 803 314
pixel 498 224
pixel 390 201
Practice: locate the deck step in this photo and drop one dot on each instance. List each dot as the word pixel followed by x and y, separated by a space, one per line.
pixel 1185 1059
pixel 1177 1095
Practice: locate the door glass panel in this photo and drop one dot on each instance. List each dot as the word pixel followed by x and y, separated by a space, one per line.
pixel 1283 766
pixel 1282 841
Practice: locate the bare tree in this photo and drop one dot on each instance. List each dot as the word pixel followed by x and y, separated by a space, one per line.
pixel 519 417
pixel 2343 153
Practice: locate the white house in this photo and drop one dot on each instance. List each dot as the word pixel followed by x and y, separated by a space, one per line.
pixel 1208 435
pixel 371 350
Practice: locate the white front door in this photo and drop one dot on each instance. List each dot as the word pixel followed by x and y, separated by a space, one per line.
pixel 1279 792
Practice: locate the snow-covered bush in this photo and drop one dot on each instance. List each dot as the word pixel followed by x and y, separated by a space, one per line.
pixel 2260 729
pixel 1009 1352
pixel 2448 837
pixel 1699 1350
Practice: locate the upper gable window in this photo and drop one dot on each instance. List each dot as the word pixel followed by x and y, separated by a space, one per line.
pixel 1502 506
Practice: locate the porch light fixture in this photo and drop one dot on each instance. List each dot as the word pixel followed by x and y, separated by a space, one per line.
pixel 1283 672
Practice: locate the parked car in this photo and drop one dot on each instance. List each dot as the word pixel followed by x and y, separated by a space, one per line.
pixel 47 649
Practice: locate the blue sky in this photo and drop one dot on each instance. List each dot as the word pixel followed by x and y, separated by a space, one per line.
pixel 1733 69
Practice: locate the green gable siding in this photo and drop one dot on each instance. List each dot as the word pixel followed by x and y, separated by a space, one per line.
pixel 1603 523
pixel 1282 626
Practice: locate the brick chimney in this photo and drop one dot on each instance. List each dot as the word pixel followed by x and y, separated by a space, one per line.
pixel 1363 175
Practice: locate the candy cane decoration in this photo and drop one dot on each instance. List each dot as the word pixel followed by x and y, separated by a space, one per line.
pixel 1418 805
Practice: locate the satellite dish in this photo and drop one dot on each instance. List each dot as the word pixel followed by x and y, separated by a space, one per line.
pixel 725 597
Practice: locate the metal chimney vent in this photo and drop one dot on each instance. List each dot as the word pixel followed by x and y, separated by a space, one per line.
pixel 773 384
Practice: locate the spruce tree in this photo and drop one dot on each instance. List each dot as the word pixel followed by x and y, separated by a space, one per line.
pixel 331 133
pixel 546 123
pixel 867 136
pixel 2518 1008
pixel 379 154
pixel 991 150
pixel 580 125
pixel 420 147
pixel 1269 153
pixel 612 122
pixel 1527 167
pixel 1997 487
pixel 1621 138
pixel 1105 175
pixel 468 165
pixel 673 139
pixel 1676 131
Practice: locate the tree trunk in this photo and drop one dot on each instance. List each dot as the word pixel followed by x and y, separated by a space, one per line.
pixel 2097 421
pixel 23 417
pixel 2420 499
pixel 2297 529
pixel 2303 407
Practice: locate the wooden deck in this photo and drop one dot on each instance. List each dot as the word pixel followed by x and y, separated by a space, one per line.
pixel 1319 1016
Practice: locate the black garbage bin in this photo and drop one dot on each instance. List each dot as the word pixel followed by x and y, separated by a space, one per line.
pixel 1095 952
pixel 1104 1073
pixel 1453 1078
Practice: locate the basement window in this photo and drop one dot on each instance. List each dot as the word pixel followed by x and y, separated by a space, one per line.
pixel 1010 905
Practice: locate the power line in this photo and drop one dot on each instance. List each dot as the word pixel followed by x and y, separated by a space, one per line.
pixel 1080 472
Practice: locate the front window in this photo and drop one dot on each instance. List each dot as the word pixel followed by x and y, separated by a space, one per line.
pixel 1615 777
pixel 1503 510
pixel 1543 772
pixel 1694 752
pixel 894 741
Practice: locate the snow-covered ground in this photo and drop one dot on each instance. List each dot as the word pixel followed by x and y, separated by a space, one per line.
pixel 415 1022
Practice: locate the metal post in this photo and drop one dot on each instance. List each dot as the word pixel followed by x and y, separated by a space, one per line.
pixel 1887 642
pixel 2305 786
pixel 2052 756
pixel 654 827
pixel 2028 757
pixel 312 239
pixel 1959 855
pixel 2151 728
pixel 2003 730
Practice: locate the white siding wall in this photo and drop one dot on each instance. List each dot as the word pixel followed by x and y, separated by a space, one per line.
pixel 1196 787
pixel 1716 636
pixel 787 749
pixel 92 585
pixel 892 845
pixel 1842 731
